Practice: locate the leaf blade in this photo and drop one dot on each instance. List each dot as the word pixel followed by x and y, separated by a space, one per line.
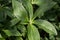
pixel 19 10
pixel 43 7
pixel 46 26
pixel 12 32
pixel 28 7
pixel 33 33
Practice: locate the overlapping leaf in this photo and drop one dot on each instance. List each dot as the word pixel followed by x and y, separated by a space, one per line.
pixel 12 22
pixel 44 6
pixel 19 10
pixel 28 7
pixel 4 12
pixel 46 26
pixel 22 29
pixel 12 32
pixel 33 33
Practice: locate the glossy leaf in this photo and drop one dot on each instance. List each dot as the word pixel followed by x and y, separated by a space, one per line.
pixel 33 33
pixel 46 26
pixel 19 10
pixel 37 2
pixel 41 2
pixel 28 7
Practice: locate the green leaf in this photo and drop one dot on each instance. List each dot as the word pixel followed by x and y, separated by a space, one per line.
pixel 1 38
pixel 50 15
pixel 2 15
pixel 19 38
pixel 4 12
pixel 22 29
pixel 37 2
pixel 9 12
pixel 48 4
pixel 33 33
pixel 28 7
pixel 46 26
pixel 19 10
pixel 41 2
pixel 44 6
pixel 12 32
pixel 51 37
pixel 13 22
pixel 39 12
pixel 46 38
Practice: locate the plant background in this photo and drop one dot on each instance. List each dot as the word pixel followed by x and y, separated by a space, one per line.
pixel 52 15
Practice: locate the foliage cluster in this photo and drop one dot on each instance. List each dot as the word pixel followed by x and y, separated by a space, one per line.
pixel 29 19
